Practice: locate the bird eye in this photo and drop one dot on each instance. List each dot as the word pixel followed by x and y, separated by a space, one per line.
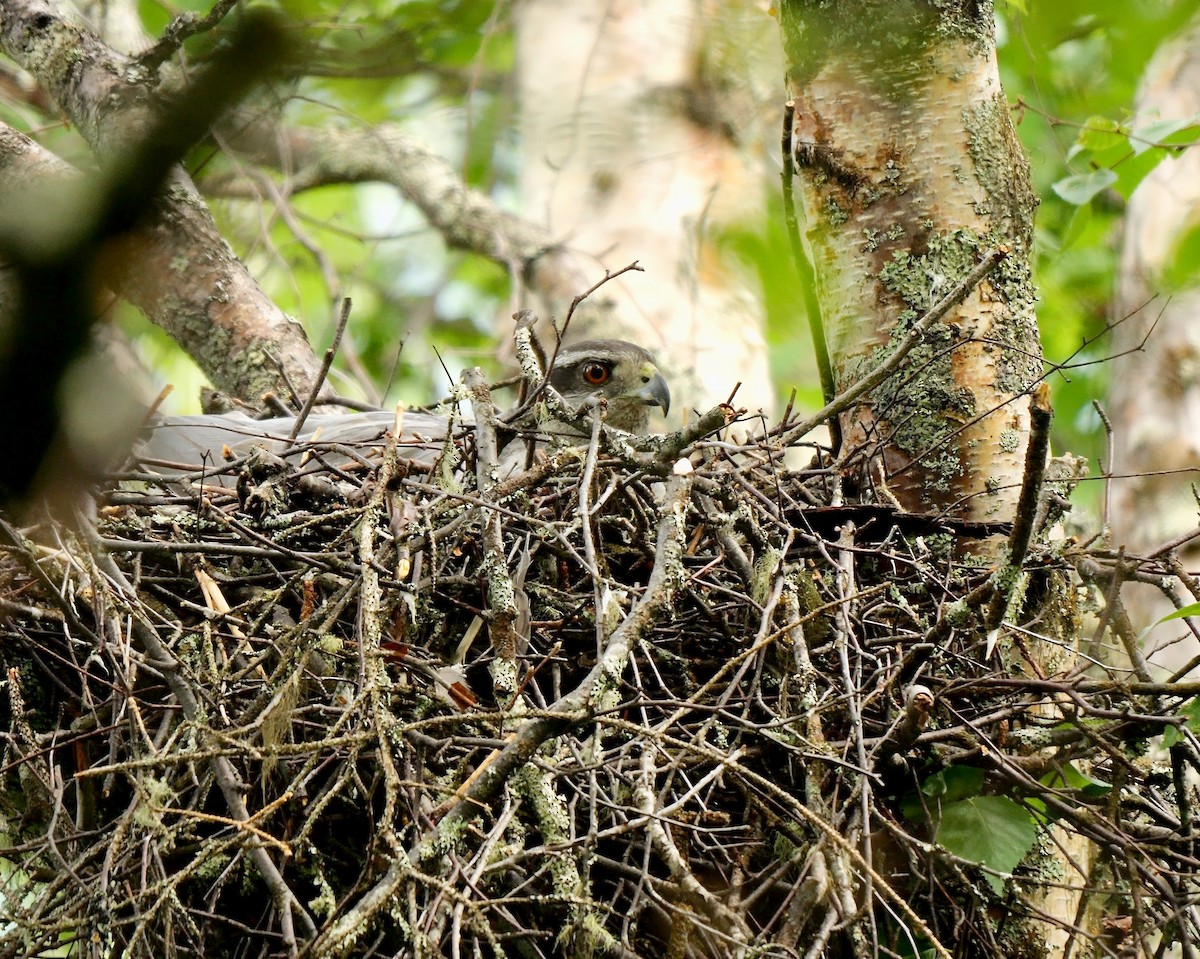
pixel 597 374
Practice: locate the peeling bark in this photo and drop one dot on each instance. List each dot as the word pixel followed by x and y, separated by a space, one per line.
pixel 909 174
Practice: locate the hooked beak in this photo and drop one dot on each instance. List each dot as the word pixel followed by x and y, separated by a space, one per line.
pixel 654 391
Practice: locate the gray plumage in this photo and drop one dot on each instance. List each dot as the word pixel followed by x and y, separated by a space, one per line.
pixel 191 444
pixel 622 373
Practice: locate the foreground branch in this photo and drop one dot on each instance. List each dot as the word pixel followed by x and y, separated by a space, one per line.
pixel 177 268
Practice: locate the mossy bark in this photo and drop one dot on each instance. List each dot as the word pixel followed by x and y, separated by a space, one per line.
pixel 908 171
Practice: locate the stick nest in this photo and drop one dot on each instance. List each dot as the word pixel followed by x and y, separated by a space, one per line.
pixel 617 705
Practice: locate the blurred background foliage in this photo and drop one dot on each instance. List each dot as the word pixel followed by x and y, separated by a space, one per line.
pixel 441 69
pixel 1071 70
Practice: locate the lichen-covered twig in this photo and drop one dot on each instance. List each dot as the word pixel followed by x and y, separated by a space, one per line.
pixel 750 666
pixel 503 614
pixel 580 704
pixel 232 789
pixel 1036 452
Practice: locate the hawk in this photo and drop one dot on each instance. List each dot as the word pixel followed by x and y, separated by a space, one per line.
pixel 623 374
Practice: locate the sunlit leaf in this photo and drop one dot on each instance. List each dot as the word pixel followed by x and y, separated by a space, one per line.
pixel 1102 133
pixel 1191 714
pixel 1070 776
pixel 1134 168
pixel 1183 266
pixel 1192 609
pixel 1077 228
pixel 1166 132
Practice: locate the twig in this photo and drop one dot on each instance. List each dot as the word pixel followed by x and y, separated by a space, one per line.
pixel 579 705
pixel 1037 447
pixel 523 334
pixel 657 453
pixel 502 609
pixel 586 520
pixel 226 776
pixel 918 705
pixel 608 277
pixel 1109 462
pixel 729 923
pixel 808 277
pixel 326 363
pixel 183 27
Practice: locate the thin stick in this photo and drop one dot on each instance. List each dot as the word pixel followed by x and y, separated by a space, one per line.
pixel 1109 464
pixel 524 321
pixel 580 704
pixel 583 296
pixel 1041 415
pixel 326 363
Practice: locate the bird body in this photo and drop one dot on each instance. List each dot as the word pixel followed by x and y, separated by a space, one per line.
pixel 621 373
pixel 197 441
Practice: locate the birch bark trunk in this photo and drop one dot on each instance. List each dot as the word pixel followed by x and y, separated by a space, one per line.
pixel 908 170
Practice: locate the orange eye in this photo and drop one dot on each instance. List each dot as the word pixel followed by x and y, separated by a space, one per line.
pixel 597 374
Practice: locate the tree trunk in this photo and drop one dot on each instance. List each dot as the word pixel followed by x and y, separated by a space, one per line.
pixel 909 173
pixel 652 696
pixel 177 268
pixel 909 170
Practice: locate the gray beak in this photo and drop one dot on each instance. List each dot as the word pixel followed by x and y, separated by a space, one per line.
pixel 656 393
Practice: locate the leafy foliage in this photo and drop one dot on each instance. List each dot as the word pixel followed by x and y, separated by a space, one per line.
pixel 993 831
pixel 439 69
pixel 1073 69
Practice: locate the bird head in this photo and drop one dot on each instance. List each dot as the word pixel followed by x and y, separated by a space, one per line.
pixel 620 372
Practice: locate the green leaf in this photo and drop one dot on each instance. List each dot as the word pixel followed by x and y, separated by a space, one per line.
pixel 946 786
pixel 990 830
pixel 953 783
pixel 1079 188
pixel 1077 227
pixel 1132 169
pixel 1165 133
pixel 1070 776
pixel 925 950
pixel 1040 811
pixel 1192 609
pixel 1183 268
pixel 1191 713
pixel 1101 133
